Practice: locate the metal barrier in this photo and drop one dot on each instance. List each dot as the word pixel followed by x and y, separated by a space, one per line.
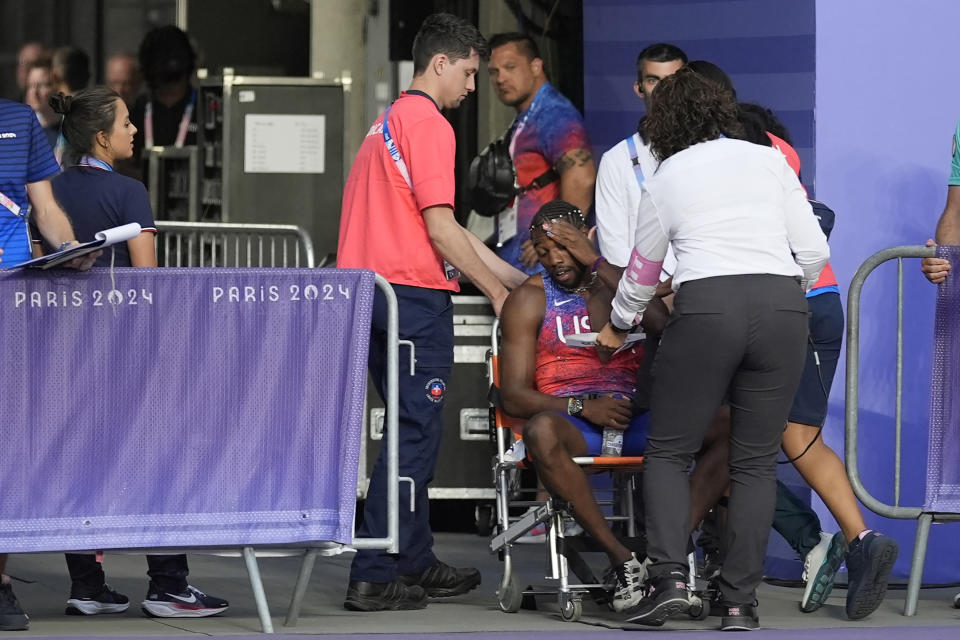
pixel 226 244
pixel 895 510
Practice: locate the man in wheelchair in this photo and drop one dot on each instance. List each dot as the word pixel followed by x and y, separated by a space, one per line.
pixel 569 394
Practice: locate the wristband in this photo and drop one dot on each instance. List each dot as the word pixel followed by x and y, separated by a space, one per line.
pixel 596 263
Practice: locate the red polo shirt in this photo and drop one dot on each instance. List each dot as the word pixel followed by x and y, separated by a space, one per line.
pixel 381 223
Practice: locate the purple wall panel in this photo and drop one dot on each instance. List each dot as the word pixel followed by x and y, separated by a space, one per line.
pixel 887 106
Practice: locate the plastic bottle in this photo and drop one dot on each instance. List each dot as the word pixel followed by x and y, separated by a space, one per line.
pixel 612 442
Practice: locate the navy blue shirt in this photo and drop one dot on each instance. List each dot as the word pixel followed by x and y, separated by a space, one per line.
pixel 95 200
pixel 25 157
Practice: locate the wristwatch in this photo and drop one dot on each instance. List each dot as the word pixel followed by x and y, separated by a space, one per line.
pixel 575 406
pixel 613 325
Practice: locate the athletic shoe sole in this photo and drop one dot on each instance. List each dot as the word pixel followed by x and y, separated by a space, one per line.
pixel 77 607
pixel 457 590
pixel 867 597
pixel 819 587
pixel 374 604
pixel 15 626
pixel 159 609
pixel 662 611
pixel 739 623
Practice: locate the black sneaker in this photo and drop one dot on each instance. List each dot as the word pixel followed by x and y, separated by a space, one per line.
pixel 664 598
pixel 384 596
pixel 739 617
pixel 443 581
pixel 12 617
pixel 869 562
pixel 189 603
pixel 105 601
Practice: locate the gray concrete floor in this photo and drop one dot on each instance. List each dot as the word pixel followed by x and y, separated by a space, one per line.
pixel 46 592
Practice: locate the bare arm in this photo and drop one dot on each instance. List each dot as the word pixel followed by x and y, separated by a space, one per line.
pixel 509 276
pixel 53 223
pixel 450 240
pixel 51 220
pixel 143 251
pixel 948 232
pixel 520 323
pixel 578 174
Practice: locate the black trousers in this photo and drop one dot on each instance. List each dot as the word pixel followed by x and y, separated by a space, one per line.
pixel 795 521
pixel 741 337
pixel 167 572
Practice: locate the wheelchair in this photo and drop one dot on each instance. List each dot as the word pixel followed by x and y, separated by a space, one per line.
pixel 563 553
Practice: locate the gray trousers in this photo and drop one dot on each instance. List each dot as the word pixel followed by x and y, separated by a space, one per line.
pixel 744 338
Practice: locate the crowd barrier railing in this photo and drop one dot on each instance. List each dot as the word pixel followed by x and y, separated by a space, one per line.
pixel 926 514
pixel 121 434
pixel 227 244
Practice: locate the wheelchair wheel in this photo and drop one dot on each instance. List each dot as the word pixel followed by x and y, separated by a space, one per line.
pixel 698 608
pixel 510 597
pixel 483 515
pixel 571 611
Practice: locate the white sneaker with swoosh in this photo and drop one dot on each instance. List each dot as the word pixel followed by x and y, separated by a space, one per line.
pixel 189 603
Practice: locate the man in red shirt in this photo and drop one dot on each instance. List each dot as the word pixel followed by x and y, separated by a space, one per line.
pixel 397 220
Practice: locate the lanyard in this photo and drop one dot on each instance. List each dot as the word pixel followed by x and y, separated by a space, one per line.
pixel 393 150
pixel 8 202
pixel 181 131
pixel 635 158
pixel 94 163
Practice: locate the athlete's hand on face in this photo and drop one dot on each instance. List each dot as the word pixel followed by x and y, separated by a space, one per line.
pixel 935 269
pixel 575 241
pixel 528 255
pixel 607 411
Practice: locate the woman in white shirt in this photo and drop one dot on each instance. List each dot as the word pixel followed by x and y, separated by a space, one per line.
pixel 747 244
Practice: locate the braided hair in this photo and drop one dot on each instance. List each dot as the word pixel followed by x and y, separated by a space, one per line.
pixel 558 210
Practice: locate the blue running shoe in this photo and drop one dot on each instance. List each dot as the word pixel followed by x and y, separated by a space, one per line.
pixel 869 562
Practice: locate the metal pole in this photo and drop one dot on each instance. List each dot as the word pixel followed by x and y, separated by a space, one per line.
pixel 392 541
pixel 300 590
pixel 263 611
pixel 853 377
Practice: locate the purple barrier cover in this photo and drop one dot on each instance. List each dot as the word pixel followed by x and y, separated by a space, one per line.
pixel 943 466
pixel 180 407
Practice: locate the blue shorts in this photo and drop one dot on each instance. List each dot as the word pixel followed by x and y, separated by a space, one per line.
pixel 634 438
pixel 826 335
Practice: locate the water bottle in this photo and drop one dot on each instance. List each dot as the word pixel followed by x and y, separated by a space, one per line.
pixel 612 442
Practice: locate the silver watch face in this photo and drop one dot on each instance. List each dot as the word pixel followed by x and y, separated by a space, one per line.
pixel 575 406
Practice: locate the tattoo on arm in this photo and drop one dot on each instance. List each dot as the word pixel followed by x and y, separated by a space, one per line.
pixel 575 158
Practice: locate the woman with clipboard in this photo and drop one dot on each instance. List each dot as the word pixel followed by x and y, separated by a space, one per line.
pixel 97 130
pixel 97 133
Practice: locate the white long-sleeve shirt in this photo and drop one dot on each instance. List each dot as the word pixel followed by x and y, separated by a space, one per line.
pixel 728 207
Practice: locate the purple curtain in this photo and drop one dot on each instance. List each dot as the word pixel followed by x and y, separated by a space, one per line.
pixel 180 407
pixel 943 468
